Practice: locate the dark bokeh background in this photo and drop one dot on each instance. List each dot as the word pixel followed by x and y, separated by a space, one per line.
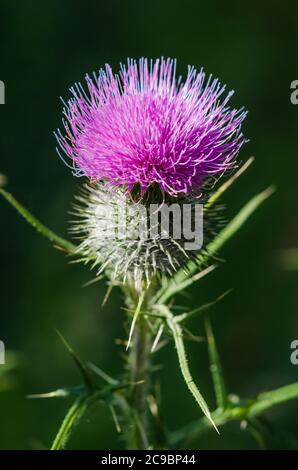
pixel 45 47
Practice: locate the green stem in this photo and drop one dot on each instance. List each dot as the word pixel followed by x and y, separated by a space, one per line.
pixel 139 361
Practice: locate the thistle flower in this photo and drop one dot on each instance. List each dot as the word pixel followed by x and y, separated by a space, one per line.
pixel 146 126
pixel 145 137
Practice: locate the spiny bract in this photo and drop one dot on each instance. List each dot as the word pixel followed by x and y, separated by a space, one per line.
pixel 128 236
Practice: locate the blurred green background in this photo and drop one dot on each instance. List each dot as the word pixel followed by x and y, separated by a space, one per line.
pixel 45 47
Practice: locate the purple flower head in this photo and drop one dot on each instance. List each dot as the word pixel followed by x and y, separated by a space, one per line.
pixel 147 126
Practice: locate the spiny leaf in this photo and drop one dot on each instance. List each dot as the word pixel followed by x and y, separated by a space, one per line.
pixel 176 288
pixel 177 333
pixel 135 317
pixel 103 375
pixel 219 241
pixel 70 421
pixel 239 220
pixel 41 228
pixel 215 367
pixel 186 316
pixel 81 366
pixel 60 393
pixel 228 183
pixel 189 336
